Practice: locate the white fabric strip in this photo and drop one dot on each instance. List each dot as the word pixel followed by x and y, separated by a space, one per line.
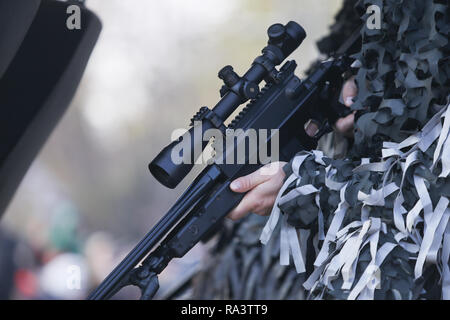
pixel 424 138
pixel 333 229
pixel 385 153
pixel 374 166
pixel 413 214
pixel 343 231
pixel 318 157
pixel 432 225
pixel 275 214
pixel 424 198
pixel 432 255
pixel 445 265
pixel 295 249
pixel 309 283
pixel 445 159
pixel 405 143
pixel 284 242
pixel 427 140
pixel 297 162
pixel 289 243
pixel 372 270
pixel 399 210
pixel 376 197
pixel 348 275
pixel 334 185
pixel 368 272
pixel 302 190
pixel 443 136
pixel 410 247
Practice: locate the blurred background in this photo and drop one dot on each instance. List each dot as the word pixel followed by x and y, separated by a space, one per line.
pixel 89 198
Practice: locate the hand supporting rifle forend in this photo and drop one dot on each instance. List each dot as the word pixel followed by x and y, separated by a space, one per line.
pixel 285 103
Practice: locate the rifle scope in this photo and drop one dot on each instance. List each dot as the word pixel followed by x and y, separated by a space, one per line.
pixel 283 40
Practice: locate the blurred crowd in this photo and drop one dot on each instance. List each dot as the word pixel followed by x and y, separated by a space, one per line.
pixel 52 261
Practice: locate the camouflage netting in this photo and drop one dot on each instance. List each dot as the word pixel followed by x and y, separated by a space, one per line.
pixel 405 71
pixel 373 225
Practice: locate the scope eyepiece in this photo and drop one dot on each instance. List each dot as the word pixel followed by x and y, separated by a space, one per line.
pixel 296 32
pixel 283 40
pixel 167 172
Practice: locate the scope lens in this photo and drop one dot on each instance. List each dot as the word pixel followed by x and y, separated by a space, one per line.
pixel 161 175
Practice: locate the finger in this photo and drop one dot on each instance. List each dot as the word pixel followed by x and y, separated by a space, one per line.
pixel 349 91
pixel 247 204
pixel 259 200
pixel 248 182
pixel 255 202
pixel 311 128
pixel 266 206
pixel 345 125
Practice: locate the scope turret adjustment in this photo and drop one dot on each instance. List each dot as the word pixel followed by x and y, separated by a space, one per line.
pixel 276 33
pixel 239 85
pixel 229 77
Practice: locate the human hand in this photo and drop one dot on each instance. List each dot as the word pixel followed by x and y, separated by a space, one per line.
pixel 343 125
pixel 263 186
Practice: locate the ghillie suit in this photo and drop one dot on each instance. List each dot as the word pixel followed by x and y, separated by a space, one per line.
pixel 373 225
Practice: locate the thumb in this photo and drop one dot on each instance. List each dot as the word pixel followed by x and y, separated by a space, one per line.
pixel 349 91
pixel 248 182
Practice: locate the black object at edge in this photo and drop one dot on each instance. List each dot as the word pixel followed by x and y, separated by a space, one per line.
pixel 38 86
